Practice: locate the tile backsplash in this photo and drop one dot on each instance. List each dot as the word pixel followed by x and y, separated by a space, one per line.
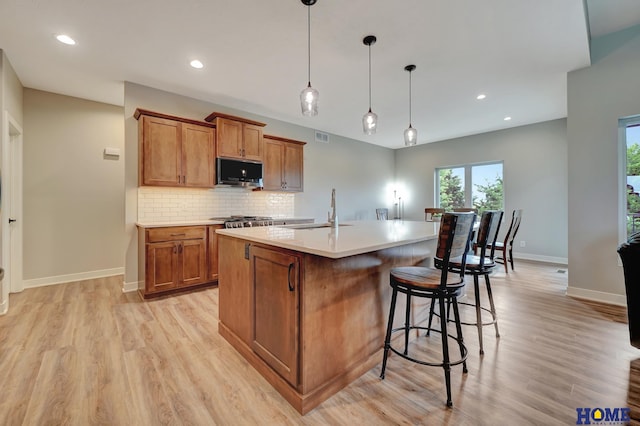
pixel 185 204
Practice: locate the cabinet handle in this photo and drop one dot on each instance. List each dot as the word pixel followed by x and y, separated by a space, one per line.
pixel 291 287
pixel 179 248
pixel 175 249
pixel 178 235
pixel 184 179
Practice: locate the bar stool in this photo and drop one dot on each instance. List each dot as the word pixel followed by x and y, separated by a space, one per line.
pixel 441 284
pixel 477 265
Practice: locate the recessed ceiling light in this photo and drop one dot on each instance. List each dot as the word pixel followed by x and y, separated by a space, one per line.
pixel 63 38
pixel 196 64
pixel 507 118
pixel 481 96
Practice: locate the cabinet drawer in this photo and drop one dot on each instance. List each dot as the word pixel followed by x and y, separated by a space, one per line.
pixel 174 233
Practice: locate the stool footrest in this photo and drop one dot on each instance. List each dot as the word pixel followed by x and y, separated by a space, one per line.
pixel 432 364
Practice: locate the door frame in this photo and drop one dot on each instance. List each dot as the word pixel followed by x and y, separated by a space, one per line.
pixel 11 207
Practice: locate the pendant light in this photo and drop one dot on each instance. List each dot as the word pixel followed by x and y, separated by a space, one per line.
pixel 370 119
pixel 309 96
pixel 411 134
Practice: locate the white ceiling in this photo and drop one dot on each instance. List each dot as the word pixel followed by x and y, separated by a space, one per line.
pixel 517 52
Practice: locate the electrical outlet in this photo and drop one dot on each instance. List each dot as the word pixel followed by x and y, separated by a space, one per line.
pixel 523 243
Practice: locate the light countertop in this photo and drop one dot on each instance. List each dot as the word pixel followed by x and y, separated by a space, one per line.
pixel 198 222
pixel 349 239
pixel 179 223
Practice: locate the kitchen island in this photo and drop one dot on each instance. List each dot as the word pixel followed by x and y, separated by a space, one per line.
pixel 307 306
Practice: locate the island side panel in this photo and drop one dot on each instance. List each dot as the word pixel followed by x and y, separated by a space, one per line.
pixel 344 309
pixel 234 284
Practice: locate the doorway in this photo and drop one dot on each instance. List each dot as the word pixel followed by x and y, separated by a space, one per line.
pixel 11 209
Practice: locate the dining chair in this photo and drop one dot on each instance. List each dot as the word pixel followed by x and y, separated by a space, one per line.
pixel 382 214
pixel 430 211
pixel 507 243
pixel 441 284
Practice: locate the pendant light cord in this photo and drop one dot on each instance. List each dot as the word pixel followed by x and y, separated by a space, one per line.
pixel 369 77
pixel 309 40
pixel 409 98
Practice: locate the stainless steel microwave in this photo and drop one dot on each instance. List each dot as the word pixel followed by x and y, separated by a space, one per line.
pixel 238 172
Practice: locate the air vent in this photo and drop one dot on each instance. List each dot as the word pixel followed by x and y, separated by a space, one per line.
pixel 322 137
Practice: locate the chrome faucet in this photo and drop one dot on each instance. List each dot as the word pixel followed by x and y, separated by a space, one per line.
pixel 332 217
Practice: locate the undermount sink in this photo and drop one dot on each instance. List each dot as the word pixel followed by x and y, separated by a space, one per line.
pixel 312 225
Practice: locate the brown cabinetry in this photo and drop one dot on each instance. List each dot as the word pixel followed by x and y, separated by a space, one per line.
pixel 175 151
pixel 283 164
pixel 237 137
pixel 174 257
pixel 213 251
pixel 275 276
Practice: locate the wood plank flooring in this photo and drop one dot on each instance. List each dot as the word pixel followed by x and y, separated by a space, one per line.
pixel 83 353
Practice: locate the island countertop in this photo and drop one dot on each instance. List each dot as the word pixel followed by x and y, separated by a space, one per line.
pixel 350 238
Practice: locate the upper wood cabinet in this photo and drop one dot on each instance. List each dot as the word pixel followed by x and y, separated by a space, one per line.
pixel 283 164
pixel 238 137
pixel 175 151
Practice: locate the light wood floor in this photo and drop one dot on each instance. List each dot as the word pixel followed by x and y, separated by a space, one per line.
pixel 84 353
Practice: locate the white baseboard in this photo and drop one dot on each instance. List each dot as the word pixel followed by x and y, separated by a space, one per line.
pixel 597 296
pixel 130 287
pixel 61 279
pixel 540 258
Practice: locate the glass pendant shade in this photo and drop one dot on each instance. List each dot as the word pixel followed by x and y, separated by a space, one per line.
pixel 370 119
pixel 410 136
pixel 370 122
pixel 309 101
pixel 309 96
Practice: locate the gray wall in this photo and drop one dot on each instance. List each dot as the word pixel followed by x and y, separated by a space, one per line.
pixel 73 196
pixel 360 172
pixel 12 102
pixel 598 97
pixel 535 179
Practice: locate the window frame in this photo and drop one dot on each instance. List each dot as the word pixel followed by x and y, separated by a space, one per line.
pixel 468 188
pixel 623 123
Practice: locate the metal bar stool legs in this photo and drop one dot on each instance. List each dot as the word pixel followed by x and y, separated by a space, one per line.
pixel 444 333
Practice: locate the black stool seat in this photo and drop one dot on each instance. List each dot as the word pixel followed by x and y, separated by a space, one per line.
pixel 437 284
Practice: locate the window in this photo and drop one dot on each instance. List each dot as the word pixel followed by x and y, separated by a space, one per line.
pixel 477 185
pixel 630 134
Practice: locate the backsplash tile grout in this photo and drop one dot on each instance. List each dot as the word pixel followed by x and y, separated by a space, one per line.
pixel 160 204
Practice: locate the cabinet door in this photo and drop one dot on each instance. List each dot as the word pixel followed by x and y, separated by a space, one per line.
pixel 272 172
pixel 213 252
pixel 161 162
pixel 229 138
pixel 275 299
pixel 161 266
pixel 292 168
pixel 253 143
pixel 197 156
pixel 192 262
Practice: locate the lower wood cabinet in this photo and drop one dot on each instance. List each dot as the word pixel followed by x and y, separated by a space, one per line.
pixel 275 306
pixel 174 258
pixel 213 251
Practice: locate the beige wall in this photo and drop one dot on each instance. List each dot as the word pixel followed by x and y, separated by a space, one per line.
pixel 535 180
pixel 598 97
pixel 360 172
pixel 73 195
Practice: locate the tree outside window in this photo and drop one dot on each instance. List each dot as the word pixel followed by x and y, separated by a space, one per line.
pixel 485 191
pixel 633 178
